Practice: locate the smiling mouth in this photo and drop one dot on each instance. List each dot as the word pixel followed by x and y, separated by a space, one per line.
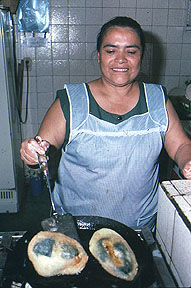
pixel 120 69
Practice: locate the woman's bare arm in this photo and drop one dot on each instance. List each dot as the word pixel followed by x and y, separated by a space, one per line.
pixel 177 143
pixel 52 131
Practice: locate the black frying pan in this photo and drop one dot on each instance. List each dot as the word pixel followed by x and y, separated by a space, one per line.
pixel 20 269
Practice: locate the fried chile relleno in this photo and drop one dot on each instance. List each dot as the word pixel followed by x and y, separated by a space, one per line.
pixel 114 254
pixel 118 254
pixel 53 253
pixel 45 248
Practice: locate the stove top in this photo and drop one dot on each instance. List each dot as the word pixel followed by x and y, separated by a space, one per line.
pixel 163 276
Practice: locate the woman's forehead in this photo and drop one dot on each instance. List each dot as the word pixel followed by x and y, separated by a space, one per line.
pixel 121 34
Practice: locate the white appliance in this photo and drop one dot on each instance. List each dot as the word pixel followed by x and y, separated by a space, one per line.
pixel 11 167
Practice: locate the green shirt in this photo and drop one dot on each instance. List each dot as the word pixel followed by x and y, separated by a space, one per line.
pixel 97 111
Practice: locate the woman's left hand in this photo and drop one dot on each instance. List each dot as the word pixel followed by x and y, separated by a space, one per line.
pixel 187 170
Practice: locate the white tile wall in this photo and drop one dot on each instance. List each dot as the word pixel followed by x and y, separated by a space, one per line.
pixel 68 55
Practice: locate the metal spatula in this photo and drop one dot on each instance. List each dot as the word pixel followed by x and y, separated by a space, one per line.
pixel 57 223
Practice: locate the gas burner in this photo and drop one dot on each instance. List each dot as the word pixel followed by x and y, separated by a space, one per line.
pixel 8 241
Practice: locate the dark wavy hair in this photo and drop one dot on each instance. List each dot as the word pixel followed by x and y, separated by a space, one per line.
pixel 121 21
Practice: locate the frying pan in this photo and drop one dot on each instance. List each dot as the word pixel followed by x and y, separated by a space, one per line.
pixel 20 269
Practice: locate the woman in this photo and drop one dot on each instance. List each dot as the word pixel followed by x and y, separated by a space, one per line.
pixel 111 131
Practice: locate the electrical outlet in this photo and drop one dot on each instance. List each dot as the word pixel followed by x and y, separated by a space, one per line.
pixel 28 61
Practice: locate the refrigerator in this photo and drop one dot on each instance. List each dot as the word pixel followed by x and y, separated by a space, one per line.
pixel 11 166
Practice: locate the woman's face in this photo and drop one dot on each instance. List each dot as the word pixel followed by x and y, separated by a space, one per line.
pixel 120 56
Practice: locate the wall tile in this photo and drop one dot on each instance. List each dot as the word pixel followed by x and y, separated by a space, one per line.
pixel 159 34
pixel 148 33
pixel 44 84
pixel 44 53
pixel 29 130
pixel 77 67
pixel 159 67
pixel 77 16
pixel 27 51
pixel 32 116
pixel 93 16
pixel 186 53
pixel 183 79
pixel 77 33
pixel 111 3
pixel 40 115
pixel 128 3
pixel 185 67
pixel 109 13
pixel 91 52
pixel 45 100
pixel 160 4
pixel 187 36
pixel 174 34
pixel 92 67
pixel 60 51
pixel 159 79
pixel 177 4
pixel 77 51
pixel 171 82
pixel 144 16
pixel 77 79
pixel 32 100
pixel 172 67
pixel 59 3
pixel 32 71
pixel 60 33
pixel 76 3
pixel 60 67
pixel 92 77
pixel 176 17
pixel 160 17
pixel 59 15
pixel 174 51
pixel 144 4
pixel 58 83
pixel 129 12
pixel 92 32
pixel 32 85
pixel 44 67
pixel 93 3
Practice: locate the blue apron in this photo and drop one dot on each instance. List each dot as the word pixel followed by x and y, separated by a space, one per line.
pixel 111 170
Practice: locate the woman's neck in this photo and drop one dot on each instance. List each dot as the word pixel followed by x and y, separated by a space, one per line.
pixel 118 100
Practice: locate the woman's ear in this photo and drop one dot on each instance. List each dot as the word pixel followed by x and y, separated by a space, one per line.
pixel 98 57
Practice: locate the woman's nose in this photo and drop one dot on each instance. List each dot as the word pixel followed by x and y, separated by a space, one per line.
pixel 121 58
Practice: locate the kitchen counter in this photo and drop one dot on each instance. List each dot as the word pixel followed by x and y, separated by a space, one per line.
pixel 174 228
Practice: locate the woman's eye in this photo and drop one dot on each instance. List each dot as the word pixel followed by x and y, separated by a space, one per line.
pixel 132 52
pixel 110 51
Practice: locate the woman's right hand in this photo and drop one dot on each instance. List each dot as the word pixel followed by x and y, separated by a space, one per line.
pixel 30 149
